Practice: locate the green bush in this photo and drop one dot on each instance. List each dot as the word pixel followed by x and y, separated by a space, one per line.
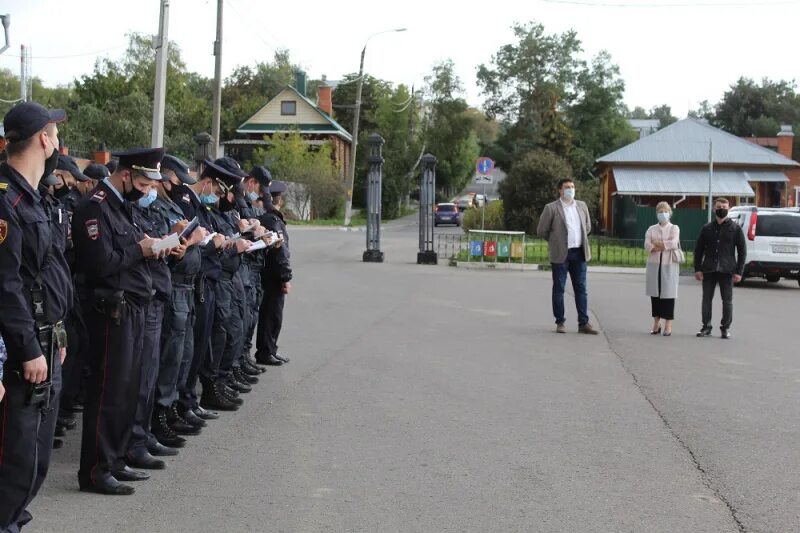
pixel 493 221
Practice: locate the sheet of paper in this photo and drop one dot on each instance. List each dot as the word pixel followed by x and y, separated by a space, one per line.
pixel 258 245
pixel 207 239
pixel 170 241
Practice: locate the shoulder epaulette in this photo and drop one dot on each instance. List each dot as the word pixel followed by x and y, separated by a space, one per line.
pixel 3 186
pixel 99 197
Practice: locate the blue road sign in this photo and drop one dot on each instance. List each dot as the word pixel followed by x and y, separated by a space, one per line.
pixel 484 166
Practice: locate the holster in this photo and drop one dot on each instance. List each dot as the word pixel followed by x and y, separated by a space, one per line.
pixel 109 303
pixel 200 289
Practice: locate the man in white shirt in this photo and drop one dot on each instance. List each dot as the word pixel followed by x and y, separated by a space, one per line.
pixel 565 224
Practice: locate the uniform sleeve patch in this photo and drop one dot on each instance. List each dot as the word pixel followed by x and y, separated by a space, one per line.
pixel 93 229
pixel 3 230
pixel 100 196
pixel 3 186
pixel 185 199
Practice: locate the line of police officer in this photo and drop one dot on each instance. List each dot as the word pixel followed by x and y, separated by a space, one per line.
pixel 103 267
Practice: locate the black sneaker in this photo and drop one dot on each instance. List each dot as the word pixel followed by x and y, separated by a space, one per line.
pixel 705 331
pixel 725 334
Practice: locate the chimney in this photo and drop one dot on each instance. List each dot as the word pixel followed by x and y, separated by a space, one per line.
pixel 300 82
pixel 324 99
pixel 102 155
pixel 785 140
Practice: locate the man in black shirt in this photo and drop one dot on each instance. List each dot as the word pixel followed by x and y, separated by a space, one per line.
pixel 719 258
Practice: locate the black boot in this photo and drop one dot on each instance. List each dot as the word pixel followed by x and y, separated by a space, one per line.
pixel 237 385
pixel 213 398
pixel 229 394
pixel 163 433
pixel 242 377
pixel 190 417
pixel 250 370
pixel 205 414
pixel 250 360
pixel 178 424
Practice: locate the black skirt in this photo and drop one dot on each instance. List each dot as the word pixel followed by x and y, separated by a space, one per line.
pixel 662 307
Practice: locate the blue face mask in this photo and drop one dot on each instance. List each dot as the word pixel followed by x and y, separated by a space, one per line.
pixel 663 217
pixel 569 194
pixel 209 199
pixel 252 196
pixel 148 199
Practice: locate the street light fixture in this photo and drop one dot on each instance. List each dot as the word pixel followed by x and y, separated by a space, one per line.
pixel 348 206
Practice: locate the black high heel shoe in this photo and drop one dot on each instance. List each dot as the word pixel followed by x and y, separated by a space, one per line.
pixel 667 333
pixel 656 332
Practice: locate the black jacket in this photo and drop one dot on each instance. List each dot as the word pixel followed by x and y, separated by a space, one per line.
pixel 720 248
pixel 278 266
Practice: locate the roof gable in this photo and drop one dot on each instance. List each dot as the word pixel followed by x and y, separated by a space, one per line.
pixel 687 141
pixel 308 118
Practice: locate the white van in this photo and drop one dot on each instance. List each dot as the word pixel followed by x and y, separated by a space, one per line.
pixel 773 241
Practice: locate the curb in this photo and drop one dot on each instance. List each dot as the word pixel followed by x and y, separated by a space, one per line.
pixel 532 267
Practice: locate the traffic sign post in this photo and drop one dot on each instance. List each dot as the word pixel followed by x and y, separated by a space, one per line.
pixel 484 167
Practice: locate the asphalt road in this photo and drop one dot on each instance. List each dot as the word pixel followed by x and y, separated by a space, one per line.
pixel 437 399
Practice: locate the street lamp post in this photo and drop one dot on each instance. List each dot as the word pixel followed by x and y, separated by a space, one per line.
pixel 351 174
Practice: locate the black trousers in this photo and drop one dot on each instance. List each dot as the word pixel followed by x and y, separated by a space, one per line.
pixel 151 354
pixel 112 392
pixel 204 320
pixel 270 319
pixel 223 328
pixel 663 308
pixel 177 344
pixel 254 297
pixel 26 443
pixel 725 282
pixel 239 318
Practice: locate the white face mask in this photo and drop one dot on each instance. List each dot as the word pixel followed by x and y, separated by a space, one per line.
pixel 663 217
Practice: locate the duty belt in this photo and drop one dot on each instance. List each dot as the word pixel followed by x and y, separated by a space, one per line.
pixel 227 276
pixel 183 279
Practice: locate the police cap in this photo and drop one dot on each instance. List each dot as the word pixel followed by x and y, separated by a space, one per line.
pixel 25 119
pixel 147 161
pixel 231 165
pixel 96 171
pixel 67 163
pixel 222 176
pixel 261 175
pixel 112 165
pixel 276 188
pixel 181 169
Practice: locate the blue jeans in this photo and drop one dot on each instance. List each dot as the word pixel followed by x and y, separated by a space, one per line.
pixel 575 265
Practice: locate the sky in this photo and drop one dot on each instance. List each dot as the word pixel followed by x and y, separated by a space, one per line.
pixel 675 52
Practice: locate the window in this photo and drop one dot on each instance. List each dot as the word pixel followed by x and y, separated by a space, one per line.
pixel 778 226
pixel 289 107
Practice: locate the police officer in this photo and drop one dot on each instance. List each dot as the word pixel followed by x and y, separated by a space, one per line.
pixel 227 330
pixel 35 294
pixel 276 280
pixel 111 255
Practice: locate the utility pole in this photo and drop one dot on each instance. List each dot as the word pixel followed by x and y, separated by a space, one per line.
pixel 160 93
pixel 348 206
pixel 217 84
pixel 710 177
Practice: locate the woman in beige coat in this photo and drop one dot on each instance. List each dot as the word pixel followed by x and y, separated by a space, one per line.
pixel 661 242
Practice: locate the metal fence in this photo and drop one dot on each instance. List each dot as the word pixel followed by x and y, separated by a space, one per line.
pixel 605 251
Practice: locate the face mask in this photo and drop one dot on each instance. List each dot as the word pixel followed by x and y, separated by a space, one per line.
pixel 225 204
pixel 62 192
pixel 146 201
pixel 721 212
pixel 50 163
pixel 663 217
pixel 252 196
pixel 132 195
pixel 569 194
pixel 209 199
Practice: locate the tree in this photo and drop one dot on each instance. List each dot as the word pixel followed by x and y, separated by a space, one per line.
pixel 664 115
pixel 292 160
pixel 530 186
pixel 749 108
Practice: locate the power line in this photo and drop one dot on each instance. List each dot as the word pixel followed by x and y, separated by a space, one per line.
pixel 649 5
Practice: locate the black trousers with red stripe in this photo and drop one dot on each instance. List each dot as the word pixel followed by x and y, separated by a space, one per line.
pixel 26 442
pixel 112 392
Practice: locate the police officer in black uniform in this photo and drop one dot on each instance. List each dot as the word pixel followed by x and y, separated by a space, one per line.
pixel 177 335
pixel 111 256
pixel 276 280
pixel 35 294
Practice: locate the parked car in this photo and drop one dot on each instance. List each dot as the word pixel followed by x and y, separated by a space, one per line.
pixel 773 241
pixel 446 213
pixel 464 202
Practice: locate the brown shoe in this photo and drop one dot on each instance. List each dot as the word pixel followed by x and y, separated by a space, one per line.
pixel 561 328
pixel 587 329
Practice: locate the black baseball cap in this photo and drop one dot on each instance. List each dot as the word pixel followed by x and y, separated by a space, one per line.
pixel 231 165
pixel 25 119
pixel 181 169
pixel 112 165
pixel 145 160
pixel 66 162
pixel 96 171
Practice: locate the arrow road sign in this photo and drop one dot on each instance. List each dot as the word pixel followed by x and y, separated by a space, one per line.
pixel 484 166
